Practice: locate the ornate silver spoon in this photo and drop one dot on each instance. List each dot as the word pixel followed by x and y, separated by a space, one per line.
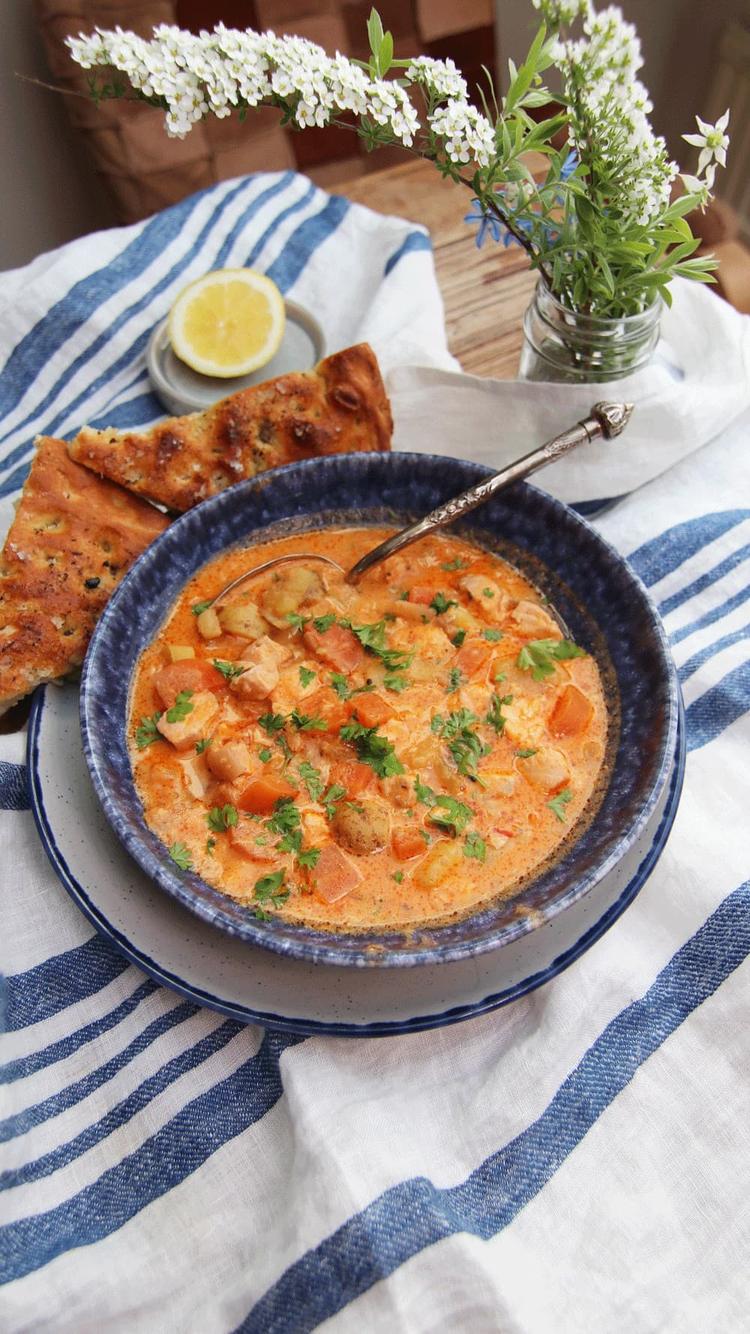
pixel 607 420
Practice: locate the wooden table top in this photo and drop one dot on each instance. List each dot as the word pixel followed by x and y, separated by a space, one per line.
pixel 485 292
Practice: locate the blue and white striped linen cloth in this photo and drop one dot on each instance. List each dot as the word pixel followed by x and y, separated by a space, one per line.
pixel 575 1161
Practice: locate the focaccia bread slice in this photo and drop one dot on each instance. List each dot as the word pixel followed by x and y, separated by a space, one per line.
pixel 71 541
pixel 339 406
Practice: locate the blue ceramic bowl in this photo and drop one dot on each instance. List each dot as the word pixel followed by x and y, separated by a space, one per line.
pixel 604 604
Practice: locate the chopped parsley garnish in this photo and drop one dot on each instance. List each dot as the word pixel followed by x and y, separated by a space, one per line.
pixel 340 684
pixel 440 603
pixel 494 636
pixel 296 621
pixel 229 670
pixel 456 564
pixel 269 890
pixel 397 876
pixel 181 707
pixel 311 778
pixel 557 804
pixel 424 793
pixel 372 749
pixel 309 857
pixel 372 638
pixel 458 638
pixel 306 675
pixel 286 821
pixel 488 592
pixel 540 655
pixel 425 836
pixel 331 797
pixel 285 817
pixel 404 595
pixel 450 814
pixel 199 607
pixel 525 754
pixel 498 677
pixel 147 731
pixel 396 681
pixel 305 723
pixel 323 623
pixel 474 846
pixel 202 745
pixel 455 679
pixel 264 754
pixel 463 743
pixel 220 818
pixel 210 845
pixel 182 855
pixel 494 715
pixel 272 722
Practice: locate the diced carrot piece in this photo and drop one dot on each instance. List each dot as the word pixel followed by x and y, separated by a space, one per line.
pixel 337 646
pixel 260 796
pixel 473 657
pixel 353 776
pixel 572 713
pixel 194 675
pixel 335 875
pixel 407 842
pixel 325 704
pixel 371 710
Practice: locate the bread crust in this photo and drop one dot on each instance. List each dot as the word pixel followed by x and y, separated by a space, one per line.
pixel 339 406
pixel 71 541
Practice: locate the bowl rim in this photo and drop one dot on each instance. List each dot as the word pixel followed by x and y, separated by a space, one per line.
pixel 310 944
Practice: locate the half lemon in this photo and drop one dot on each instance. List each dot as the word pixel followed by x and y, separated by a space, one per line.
pixel 229 322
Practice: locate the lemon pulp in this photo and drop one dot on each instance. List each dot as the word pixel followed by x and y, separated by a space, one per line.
pixel 228 322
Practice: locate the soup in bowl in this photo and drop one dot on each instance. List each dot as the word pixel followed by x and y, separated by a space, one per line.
pixel 423 767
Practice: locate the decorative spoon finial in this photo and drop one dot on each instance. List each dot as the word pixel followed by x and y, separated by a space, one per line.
pixel 614 417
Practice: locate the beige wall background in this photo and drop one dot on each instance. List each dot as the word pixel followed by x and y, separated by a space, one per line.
pixel 51 194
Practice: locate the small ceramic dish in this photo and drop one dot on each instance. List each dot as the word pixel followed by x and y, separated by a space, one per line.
pixel 182 390
pixel 602 602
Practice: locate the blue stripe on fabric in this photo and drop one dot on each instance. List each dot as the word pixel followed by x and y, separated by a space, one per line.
pixel 710 651
pixel 127 357
pixel 125 1110
pixel 52 986
pixel 663 554
pixel 14 787
pixel 303 243
pixel 133 412
pixel 63 320
pixel 416 1214
pixel 710 617
pixel 22 1122
pixel 414 241
pixel 718 707
pixel 710 577
pixel 173 1153
pixel 58 1051
pixel 16 479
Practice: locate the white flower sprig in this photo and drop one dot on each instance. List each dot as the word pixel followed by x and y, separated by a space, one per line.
pixel 601 227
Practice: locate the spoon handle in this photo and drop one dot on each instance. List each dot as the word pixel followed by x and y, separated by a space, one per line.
pixel 607 420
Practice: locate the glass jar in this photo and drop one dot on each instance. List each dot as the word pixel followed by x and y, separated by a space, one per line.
pixel 563 346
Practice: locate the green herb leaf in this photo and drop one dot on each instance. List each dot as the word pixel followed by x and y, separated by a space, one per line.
pixel 494 636
pixel 309 857
pixel 450 814
pixel 269 889
pixel 396 681
pixel 311 778
pixel 464 744
pixel 557 804
pixel 199 607
pixel 323 623
pixel 285 817
pixel 296 621
pixel 181 707
pixel 372 638
pixel 182 855
pixel 229 670
pixel 424 793
pixel 304 723
pixel 331 797
pixel 525 754
pixel 306 675
pixel 458 638
pixel 474 846
pixel 339 684
pixel 147 731
pixel 456 564
pixel 440 603
pixel 220 818
pixel 272 722
pixel 210 845
pixel 202 745
pixel 372 749
pixel 455 679
pixel 398 877
pixel 488 592
pixel 494 714
pixel 540 655
pixel 264 754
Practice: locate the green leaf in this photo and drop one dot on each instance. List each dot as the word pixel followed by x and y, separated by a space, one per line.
pixel 199 607
pixel 272 722
pixel 229 670
pixel 455 679
pixel 296 621
pixel 304 723
pixel 372 749
pixel 396 681
pixel 323 623
pixel 147 731
pixel 311 779
pixel 458 638
pixel 264 754
pixel 494 714
pixel 525 754
pixel 220 818
pixel 456 564
pixel 440 604
pixel 181 707
pixel 332 797
pixel 182 856
pixel 269 889
pixel 540 655
pixel 424 793
pixel 557 804
pixel 306 675
pixel 474 846
pixel 448 813
pixel 202 745
pixel 494 636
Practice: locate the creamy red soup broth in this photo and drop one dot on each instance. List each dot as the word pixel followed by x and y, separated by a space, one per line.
pixel 357 758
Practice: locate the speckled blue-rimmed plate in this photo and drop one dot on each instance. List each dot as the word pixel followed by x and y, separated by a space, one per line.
pixel 601 600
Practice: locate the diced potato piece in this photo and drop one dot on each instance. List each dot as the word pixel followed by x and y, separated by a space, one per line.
pixel 442 860
pixel 257 680
pixel 180 652
pixel 549 768
pixel 209 625
pixel 532 620
pixel 488 595
pixel 502 784
pixel 335 875
pixel 243 619
pixel 399 789
pixel 287 592
pixel 244 836
pixel 362 827
pixel 194 774
pixel 228 760
pixel 269 650
pixel 194 725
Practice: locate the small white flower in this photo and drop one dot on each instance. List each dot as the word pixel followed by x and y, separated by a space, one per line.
pixel 713 141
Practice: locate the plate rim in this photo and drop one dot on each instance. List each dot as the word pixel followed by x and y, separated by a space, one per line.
pixel 378 1028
